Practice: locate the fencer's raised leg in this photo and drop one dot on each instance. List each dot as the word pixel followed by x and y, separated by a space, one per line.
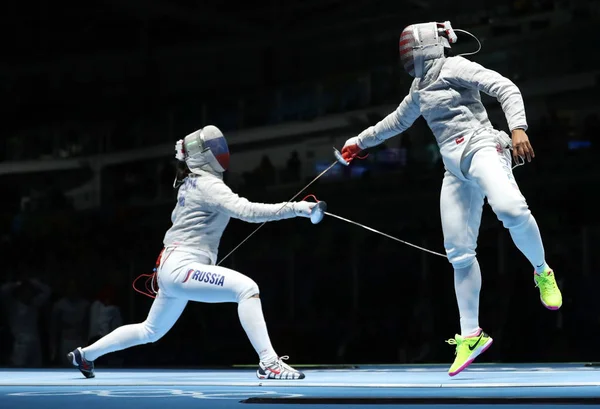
pixel 491 170
pixel 215 284
pixel 461 205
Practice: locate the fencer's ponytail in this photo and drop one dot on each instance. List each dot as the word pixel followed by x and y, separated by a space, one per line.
pixel 182 172
pixel 181 168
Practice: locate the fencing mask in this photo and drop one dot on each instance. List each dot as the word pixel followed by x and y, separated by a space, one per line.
pixel 423 42
pixel 206 146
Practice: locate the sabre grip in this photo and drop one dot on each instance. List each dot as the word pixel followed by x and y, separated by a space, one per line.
pixel 350 151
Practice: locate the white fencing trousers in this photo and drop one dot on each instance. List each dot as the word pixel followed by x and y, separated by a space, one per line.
pixel 488 173
pixel 183 277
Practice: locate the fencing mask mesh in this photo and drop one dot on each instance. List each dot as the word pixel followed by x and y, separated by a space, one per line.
pixel 423 42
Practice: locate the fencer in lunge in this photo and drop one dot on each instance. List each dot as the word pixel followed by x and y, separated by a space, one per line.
pixel 186 269
pixel 477 158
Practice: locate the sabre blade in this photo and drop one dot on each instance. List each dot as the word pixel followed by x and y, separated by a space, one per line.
pixel 384 234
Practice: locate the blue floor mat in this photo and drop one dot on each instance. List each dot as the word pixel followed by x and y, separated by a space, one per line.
pixel 556 385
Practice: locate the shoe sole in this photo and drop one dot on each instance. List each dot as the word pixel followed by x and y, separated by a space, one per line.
pixel 550 307
pixel 480 350
pixel 263 377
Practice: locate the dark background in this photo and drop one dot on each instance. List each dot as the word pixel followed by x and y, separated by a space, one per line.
pixel 108 77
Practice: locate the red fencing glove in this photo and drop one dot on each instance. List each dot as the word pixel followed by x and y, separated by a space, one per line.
pixel 351 149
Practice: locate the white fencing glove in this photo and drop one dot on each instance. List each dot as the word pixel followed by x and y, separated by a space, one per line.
pixel 303 209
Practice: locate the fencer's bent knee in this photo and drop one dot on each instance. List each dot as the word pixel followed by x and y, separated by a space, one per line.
pixel 150 334
pixel 248 289
pixel 460 256
pixel 460 259
pixel 511 211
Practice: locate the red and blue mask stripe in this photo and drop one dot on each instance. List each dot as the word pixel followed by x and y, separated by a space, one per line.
pixel 219 148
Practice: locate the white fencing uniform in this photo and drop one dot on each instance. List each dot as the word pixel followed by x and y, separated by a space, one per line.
pixel 187 271
pixel 476 157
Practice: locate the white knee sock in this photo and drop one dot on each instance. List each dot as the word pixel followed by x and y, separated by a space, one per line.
pixel 528 239
pixel 253 322
pixel 121 338
pixel 467 285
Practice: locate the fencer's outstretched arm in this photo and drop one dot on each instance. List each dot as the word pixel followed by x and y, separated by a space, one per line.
pixel 395 123
pixel 468 74
pixel 222 199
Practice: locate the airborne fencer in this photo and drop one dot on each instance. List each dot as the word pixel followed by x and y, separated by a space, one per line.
pixel 478 165
pixel 186 270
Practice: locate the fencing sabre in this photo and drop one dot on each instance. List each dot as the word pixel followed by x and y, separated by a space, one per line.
pixel 285 204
